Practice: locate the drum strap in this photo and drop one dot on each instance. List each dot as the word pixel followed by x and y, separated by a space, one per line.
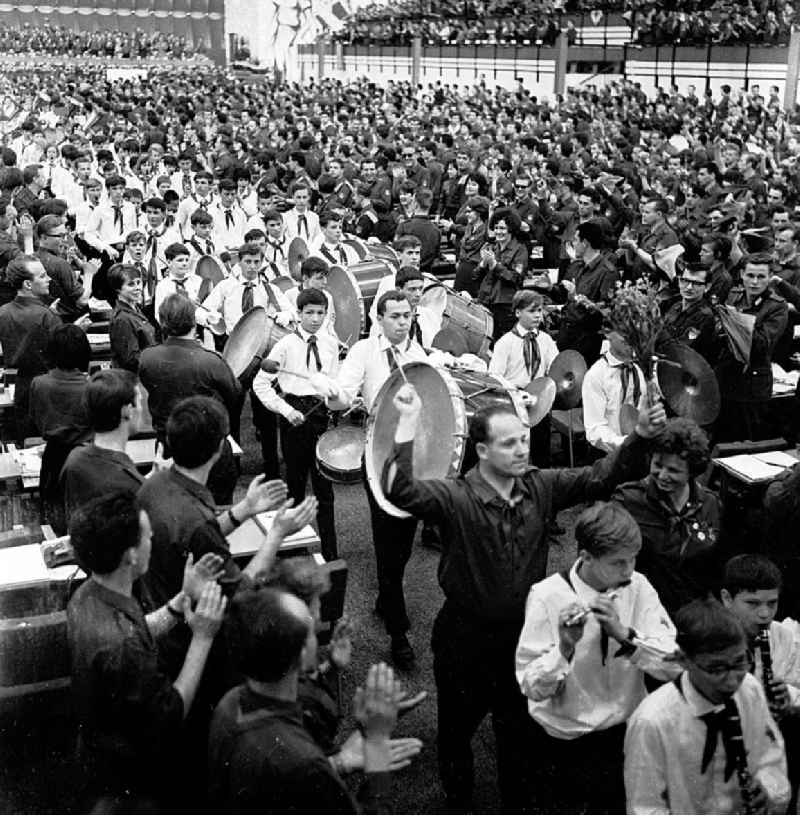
pixel 273 300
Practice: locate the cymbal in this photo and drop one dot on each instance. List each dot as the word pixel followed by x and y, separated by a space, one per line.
pixel 689 384
pixel 452 340
pixel 542 392
pixel 298 252
pixel 247 340
pixel 567 371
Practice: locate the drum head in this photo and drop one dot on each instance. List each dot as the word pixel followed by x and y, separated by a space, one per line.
pixel 339 452
pixel 296 254
pixel 358 246
pixel 452 340
pixel 439 443
pixel 382 251
pixel 434 298
pixel 208 269
pixel 346 294
pixel 284 283
pixel 247 340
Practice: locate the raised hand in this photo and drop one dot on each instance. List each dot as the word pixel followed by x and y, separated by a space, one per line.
pixel 407 401
pixel 341 646
pixel 374 706
pixel 263 495
pixel 289 520
pixel 207 618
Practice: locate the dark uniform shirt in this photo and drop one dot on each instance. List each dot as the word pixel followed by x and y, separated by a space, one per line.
pixel 262 761
pixel 91 472
pixel 179 368
pixel 64 285
pixel 754 383
pixel 500 284
pixel 129 713
pixel 495 550
pixel 680 555
pixel 58 406
pixel 130 333
pixel 693 326
pixel 9 249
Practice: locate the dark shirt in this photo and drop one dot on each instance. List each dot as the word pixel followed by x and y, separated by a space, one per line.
pixel 25 327
pixel 129 713
pixel 495 550
pixel 9 249
pixel 64 286
pixel 421 227
pixel 754 383
pixel 58 407
pixel 179 368
pixel 130 332
pixel 501 283
pixel 91 472
pixel 262 761
pixel 680 555
pixel 693 326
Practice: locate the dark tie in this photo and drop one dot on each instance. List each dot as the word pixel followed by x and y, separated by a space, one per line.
pixel 118 218
pixel 312 349
pixel 170 220
pixel 209 247
pixel 276 249
pixel 302 223
pixel 722 722
pixel 627 371
pixel 273 300
pixel 342 256
pixel 180 287
pixel 416 331
pixel 152 266
pixel 390 356
pixel 247 297
pixel 228 219
pixel 530 352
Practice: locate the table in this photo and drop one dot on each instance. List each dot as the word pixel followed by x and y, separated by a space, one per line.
pixel 757 468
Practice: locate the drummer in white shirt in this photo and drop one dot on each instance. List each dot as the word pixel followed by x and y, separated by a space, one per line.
pixel 424 324
pixel 230 221
pixel 276 247
pixel 613 382
pixel 581 661
pixel 307 350
pixel 329 246
pixel 179 280
pixel 300 221
pixel 367 366
pixel 314 275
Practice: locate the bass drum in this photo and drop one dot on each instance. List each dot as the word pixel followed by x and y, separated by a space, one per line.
pixel 358 246
pixel 247 340
pixel 449 400
pixel 353 291
pixel 274 333
pixel 473 320
pixel 382 251
pixel 339 453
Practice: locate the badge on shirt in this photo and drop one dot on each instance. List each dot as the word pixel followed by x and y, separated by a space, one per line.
pixel 693 334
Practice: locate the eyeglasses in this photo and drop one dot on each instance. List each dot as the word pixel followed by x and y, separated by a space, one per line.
pixel 55 235
pixel 741 666
pixel 687 282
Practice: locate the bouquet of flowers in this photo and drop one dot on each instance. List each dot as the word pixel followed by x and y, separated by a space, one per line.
pixel 636 316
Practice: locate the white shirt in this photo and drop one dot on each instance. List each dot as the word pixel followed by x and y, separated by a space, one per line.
pixel 784 646
pixel 249 203
pixel 82 211
pixel 664 746
pixel 164 237
pixel 329 323
pixel 366 368
pixel 570 699
pixel 166 287
pixel 292 229
pixel 176 182
pixel 290 352
pixel 228 235
pixel 226 298
pixel 101 230
pixel 276 253
pixel 508 357
pixel 335 254
pixel 602 401
pixel 188 207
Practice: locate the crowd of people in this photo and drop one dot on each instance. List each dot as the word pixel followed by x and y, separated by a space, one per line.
pixel 58 40
pixel 638 674
pixel 475 22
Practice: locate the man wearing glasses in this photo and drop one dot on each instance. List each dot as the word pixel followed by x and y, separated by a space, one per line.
pixel 690 320
pixel 69 298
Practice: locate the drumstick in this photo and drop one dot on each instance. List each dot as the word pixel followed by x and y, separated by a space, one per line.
pixel 271 367
pixel 399 366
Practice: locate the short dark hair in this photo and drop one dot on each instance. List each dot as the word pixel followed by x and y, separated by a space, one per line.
pixel 200 216
pixel 102 530
pixel 176 315
pixel 593 233
pixel 106 394
pixel 18 270
pixel 404 242
pixel 175 250
pixel 424 198
pixel 47 223
pixel 394 295
pixel 605 527
pixel 68 348
pixel 525 298
pixel 705 627
pixel 751 573
pixel 405 274
pixel 686 439
pixel 479 423
pixel 119 274
pixel 155 203
pixel 195 428
pixel 758 259
pixel 250 249
pixel 266 637
pixel 721 245
pixel 253 235
pixel 507 215
pixel 329 216
pixel 313 265
pixel 311 297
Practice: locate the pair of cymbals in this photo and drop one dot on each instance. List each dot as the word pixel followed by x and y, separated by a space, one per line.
pixel 567 371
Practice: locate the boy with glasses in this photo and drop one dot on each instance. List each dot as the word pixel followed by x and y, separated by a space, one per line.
pixel 690 320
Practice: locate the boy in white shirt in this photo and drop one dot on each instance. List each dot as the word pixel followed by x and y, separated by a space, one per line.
pixel 590 634
pixel 179 279
pixel 314 275
pixel 682 742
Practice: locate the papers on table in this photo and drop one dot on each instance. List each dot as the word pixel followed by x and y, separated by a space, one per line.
pixel 757 468
pixel 783 382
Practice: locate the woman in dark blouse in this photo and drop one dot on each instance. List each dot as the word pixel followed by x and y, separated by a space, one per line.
pixel 130 330
pixel 678 517
pixel 58 410
pixel 469 250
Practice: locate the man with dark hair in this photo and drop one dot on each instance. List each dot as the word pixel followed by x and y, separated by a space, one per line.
pixel 493 525
pixel 656 234
pixel 180 367
pixel 421 226
pixel 93 470
pixel 25 327
pixel 274 641
pixel 130 713
pixel 580 665
pixel 69 299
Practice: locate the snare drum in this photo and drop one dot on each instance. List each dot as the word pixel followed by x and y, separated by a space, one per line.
pixel 449 400
pixel 469 317
pixel 339 453
pixel 353 291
